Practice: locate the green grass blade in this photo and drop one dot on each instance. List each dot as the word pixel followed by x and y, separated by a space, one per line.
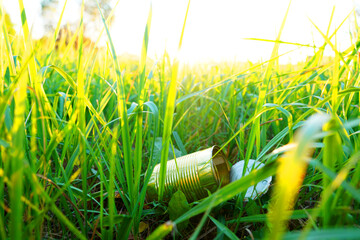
pixel 141 92
pixel 56 33
pixel 9 54
pixel 255 129
pixel 139 121
pixel 161 231
pixel 17 160
pixel 168 119
pixel 224 229
pixel 80 106
pixel 332 156
pixel 123 115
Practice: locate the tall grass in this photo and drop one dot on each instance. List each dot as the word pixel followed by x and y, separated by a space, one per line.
pixel 168 118
pixel 82 128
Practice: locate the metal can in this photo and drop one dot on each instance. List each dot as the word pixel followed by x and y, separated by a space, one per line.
pixel 194 174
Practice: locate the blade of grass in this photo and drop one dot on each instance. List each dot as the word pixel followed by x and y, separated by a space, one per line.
pixel 139 120
pixel 168 119
pixel 198 228
pixel 121 97
pixel 290 176
pixel 161 231
pixel 111 200
pixel 282 42
pixel 332 156
pixel 10 57
pixel 56 33
pixel 255 129
pixel 17 159
pixel 331 45
pixel 224 229
pixel 80 106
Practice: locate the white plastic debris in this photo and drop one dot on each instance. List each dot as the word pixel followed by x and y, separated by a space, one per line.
pixel 252 192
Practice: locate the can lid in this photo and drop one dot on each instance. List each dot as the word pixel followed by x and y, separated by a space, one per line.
pixel 220 167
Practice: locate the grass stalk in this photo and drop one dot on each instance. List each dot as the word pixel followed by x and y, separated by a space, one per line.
pixel 255 129
pixel 168 118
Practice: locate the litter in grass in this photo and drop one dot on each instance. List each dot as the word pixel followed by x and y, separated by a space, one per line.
pixel 202 172
pixel 252 192
pixel 194 174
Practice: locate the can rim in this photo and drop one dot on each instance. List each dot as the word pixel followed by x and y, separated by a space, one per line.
pixel 220 166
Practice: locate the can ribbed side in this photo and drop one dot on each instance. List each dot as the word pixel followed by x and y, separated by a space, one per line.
pixel 193 174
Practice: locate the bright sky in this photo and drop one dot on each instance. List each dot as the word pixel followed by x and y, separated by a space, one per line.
pixel 215 30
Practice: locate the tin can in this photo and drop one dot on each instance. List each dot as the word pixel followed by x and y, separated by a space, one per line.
pixel 194 174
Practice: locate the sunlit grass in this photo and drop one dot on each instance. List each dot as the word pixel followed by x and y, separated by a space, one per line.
pixel 82 128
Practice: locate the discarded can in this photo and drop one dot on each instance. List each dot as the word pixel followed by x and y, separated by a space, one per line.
pixel 194 174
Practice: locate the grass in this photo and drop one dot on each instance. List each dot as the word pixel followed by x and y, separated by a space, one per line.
pixel 80 130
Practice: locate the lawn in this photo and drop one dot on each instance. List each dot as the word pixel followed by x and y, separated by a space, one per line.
pixel 82 128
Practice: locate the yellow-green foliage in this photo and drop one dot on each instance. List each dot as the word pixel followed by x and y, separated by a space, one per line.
pixel 78 127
